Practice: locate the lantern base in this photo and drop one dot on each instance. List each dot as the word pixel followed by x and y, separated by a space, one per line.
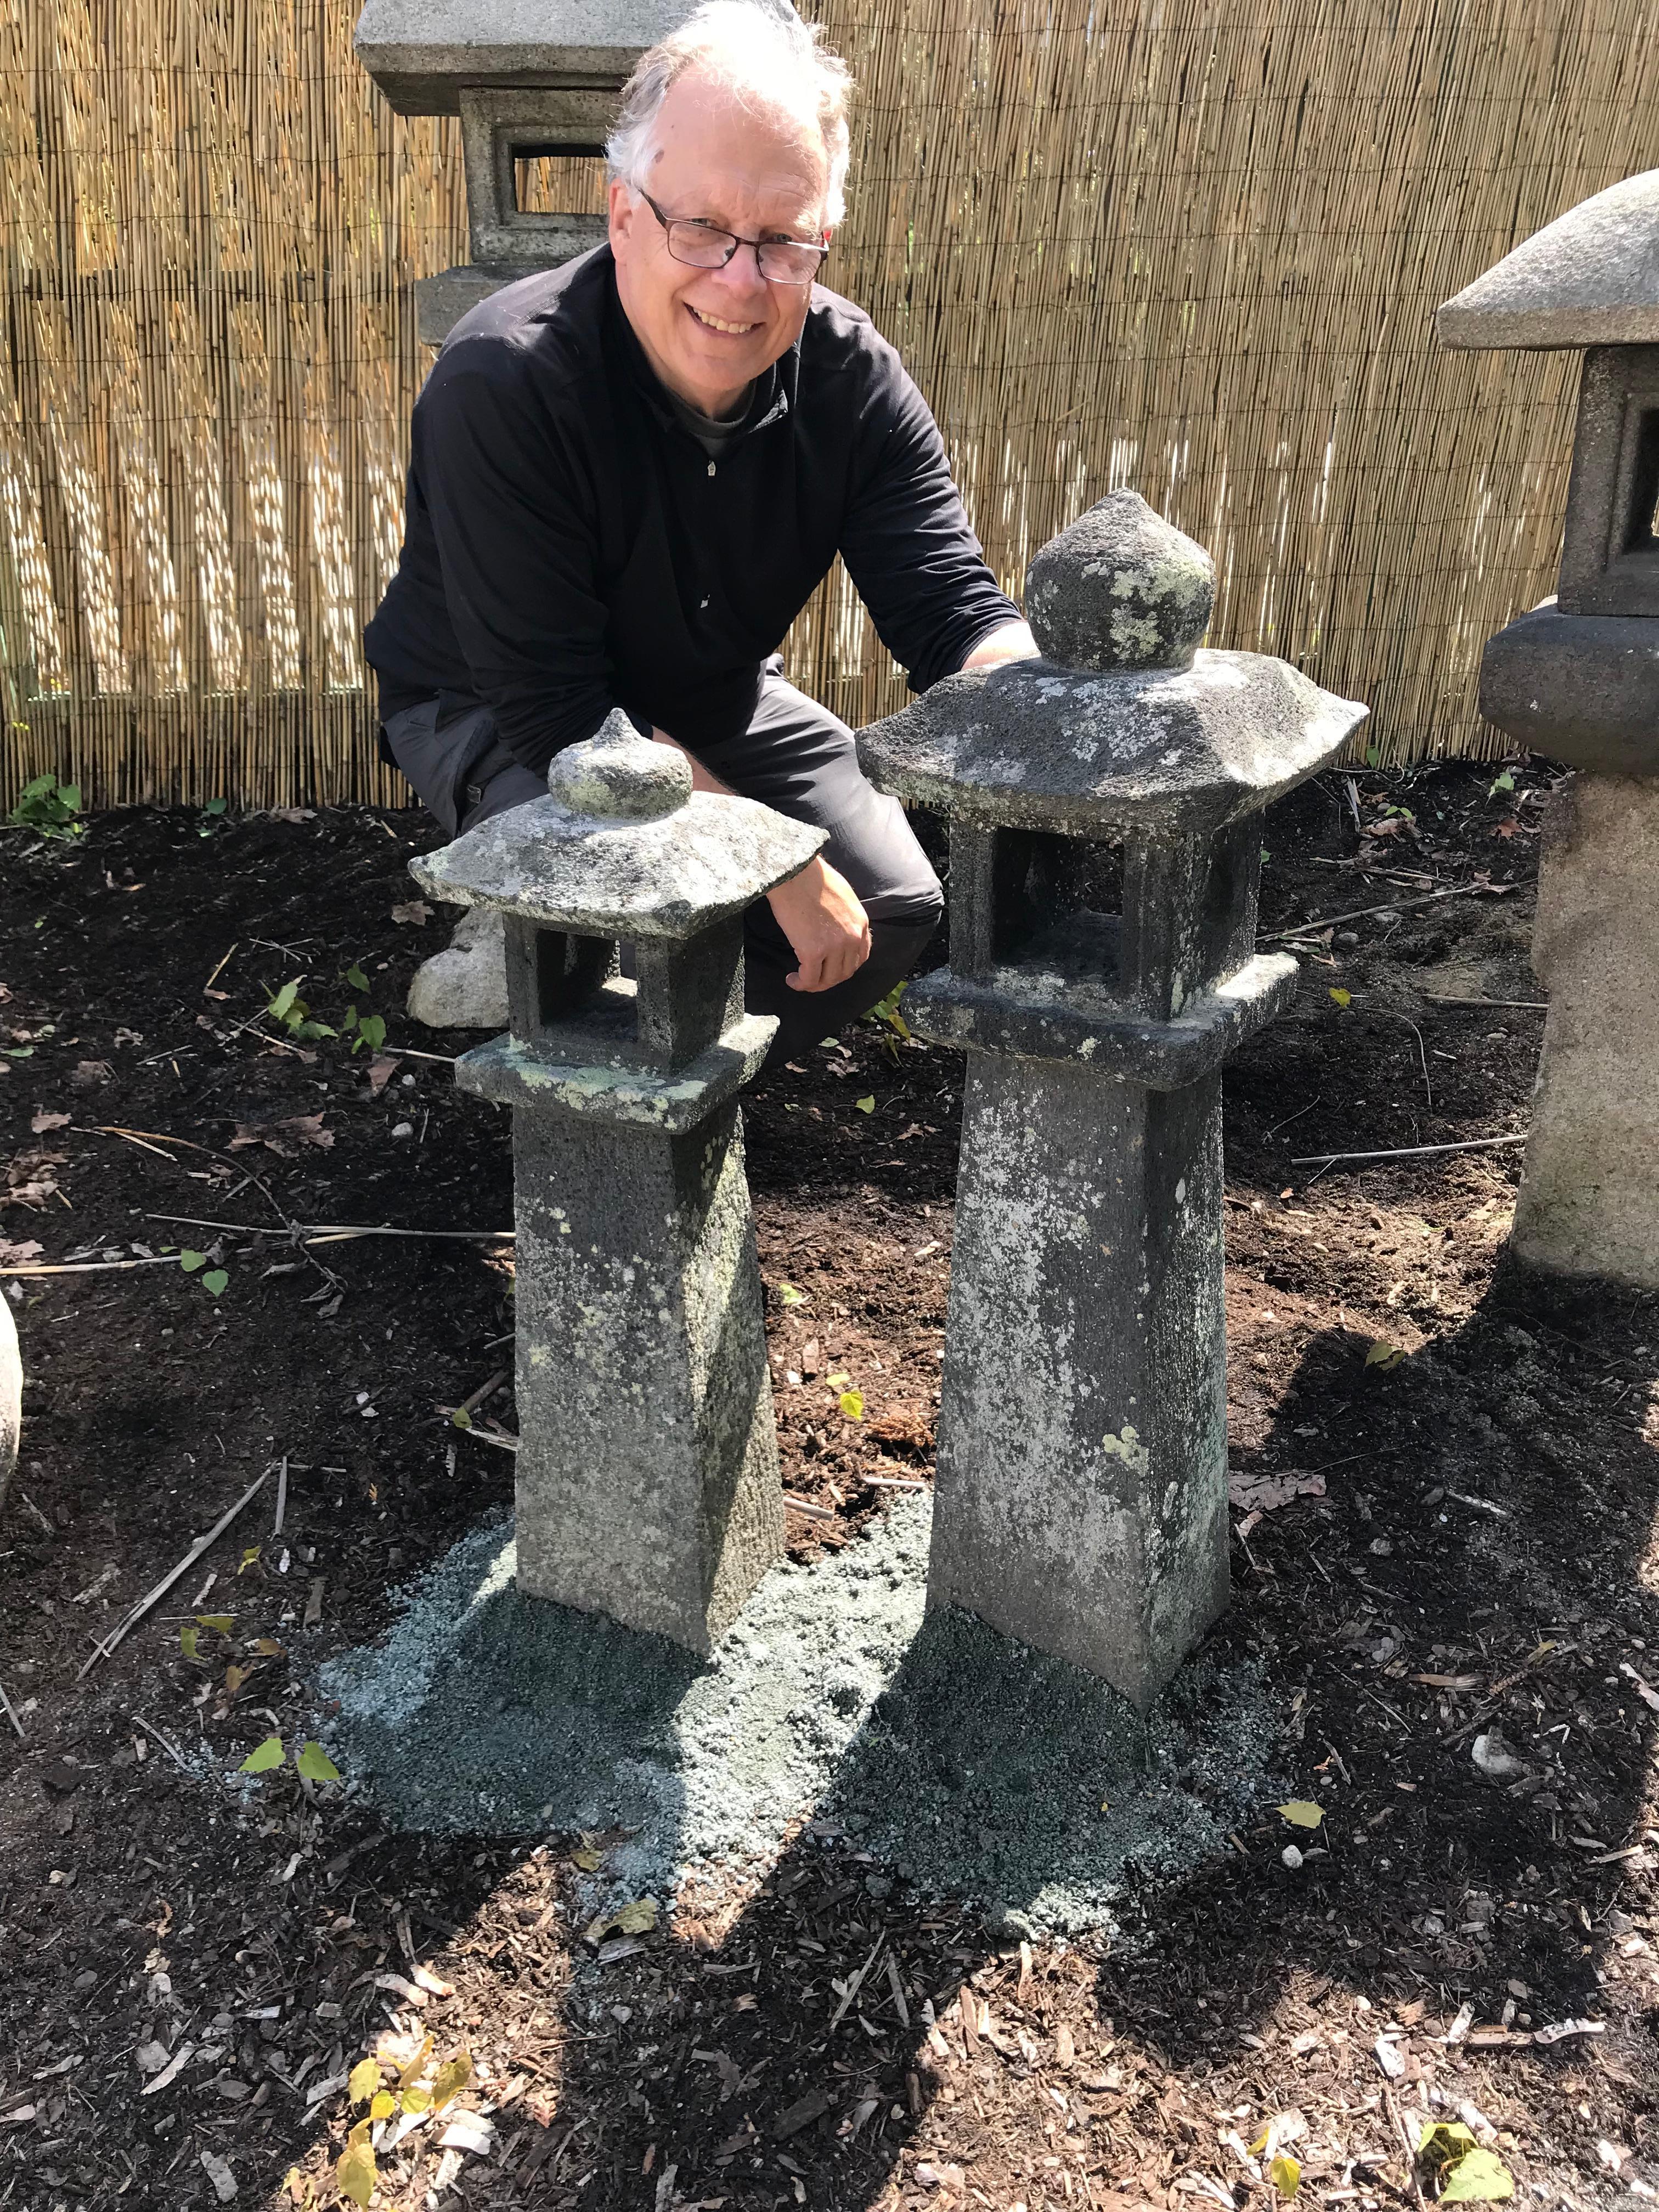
pixel 1081 1498
pixel 1589 1197
pixel 1037 1010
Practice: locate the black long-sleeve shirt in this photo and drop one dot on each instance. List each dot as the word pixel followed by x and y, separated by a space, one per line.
pixel 569 546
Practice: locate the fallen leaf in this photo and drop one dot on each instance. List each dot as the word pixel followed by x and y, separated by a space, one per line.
pixel 89 1071
pixel 415 913
pixel 852 1404
pixel 381 1072
pixel 44 1121
pixel 1264 1494
pixel 263 1756
pixel 1341 998
pixel 1380 1354
pixel 19 1254
pixel 638 1918
pixel 284 1138
pixel 866 1105
pixel 789 1295
pixel 1286 2174
pixel 1302 1812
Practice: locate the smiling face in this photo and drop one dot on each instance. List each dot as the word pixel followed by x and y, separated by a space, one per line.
pixel 760 173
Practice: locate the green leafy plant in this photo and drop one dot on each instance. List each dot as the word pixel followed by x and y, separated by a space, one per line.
pixel 887 1015
pixel 213 1280
pixel 50 809
pixel 289 1008
pixel 1503 781
pixel 1464 2172
pixel 212 817
pixel 363 1029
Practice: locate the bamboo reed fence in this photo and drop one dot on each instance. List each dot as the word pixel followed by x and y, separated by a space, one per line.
pixel 1189 246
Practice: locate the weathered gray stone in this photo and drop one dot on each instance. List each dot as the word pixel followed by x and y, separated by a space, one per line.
pixel 1582 689
pixel 1083 755
pixel 527 78
pixel 11 1400
pixel 1105 860
pixel 1609 552
pixel 1082 1470
pixel 1161 590
pixel 1590 279
pixel 646 1475
pixel 1589 1200
pixel 465 986
pixel 422 53
pixel 648 1469
pixel 442 300
pixel 666 876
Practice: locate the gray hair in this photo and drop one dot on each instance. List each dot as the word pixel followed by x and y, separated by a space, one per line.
pixel 754 48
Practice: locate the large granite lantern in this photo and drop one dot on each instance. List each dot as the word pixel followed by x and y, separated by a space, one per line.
pixel 1105 858
pixel 647 1470
pixel 1577 679
pixel 527 80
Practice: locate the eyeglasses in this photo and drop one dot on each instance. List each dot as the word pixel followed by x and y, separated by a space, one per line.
pixel 703 246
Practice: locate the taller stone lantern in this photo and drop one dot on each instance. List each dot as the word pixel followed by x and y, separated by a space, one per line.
pixel 1577 679
pixel 1105 860
pixel 528 78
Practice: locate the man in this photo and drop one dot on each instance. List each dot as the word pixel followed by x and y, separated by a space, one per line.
pixel 627 477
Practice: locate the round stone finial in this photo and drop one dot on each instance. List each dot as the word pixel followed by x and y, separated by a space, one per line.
pixel 1120 588
pixel 618 775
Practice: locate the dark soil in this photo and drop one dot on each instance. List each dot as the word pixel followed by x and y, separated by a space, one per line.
pixel 1459 1547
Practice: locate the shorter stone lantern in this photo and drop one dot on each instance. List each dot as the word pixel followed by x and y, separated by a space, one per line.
pixel 1577 680
pixel 1105 860
pixel 526 82
pixel 647 1472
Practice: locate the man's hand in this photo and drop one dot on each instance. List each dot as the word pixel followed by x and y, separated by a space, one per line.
pixel 818 911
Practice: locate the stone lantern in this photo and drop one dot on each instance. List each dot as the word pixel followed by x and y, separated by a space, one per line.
pixel 1577 680
pixel 526 82
pixel 1105 859
pixel 648 1473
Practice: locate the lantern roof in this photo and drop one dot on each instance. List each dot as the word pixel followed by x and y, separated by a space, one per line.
pixel 421 52
pixel 1590 279
pixel 622 846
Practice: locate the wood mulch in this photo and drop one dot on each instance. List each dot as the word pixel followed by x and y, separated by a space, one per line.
pixel 1444 1476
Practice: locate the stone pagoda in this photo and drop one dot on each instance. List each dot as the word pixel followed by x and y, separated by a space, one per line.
pixel 1577 680
pixel 1104 805
pixel 648 1469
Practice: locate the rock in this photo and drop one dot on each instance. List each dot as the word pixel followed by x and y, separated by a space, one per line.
pixel 465 986
pixel 11 1399
pixel 1120 588
pixel 1582 689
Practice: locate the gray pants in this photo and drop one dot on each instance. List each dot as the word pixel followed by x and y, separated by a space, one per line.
pixel 795 757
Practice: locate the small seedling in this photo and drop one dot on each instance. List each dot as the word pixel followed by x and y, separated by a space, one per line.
pixel 1504 781
pixel 212 817
pixel 886 1012
pixel 367 1030
pixel 287 1007
pixel 213 1281
pixel 50 809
